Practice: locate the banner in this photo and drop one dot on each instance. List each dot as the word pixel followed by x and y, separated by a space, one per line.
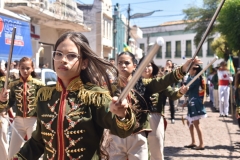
pixel 141 15
pixel 230 65
pixel 22 43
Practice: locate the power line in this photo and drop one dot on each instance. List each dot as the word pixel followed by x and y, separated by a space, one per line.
pixel 142 2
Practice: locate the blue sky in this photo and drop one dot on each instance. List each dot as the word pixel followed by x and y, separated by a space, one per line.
pixel 171 10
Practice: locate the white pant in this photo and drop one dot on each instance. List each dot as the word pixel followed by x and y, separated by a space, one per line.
pixel 24 126
pixel 223 99
pixel 3 138
pixel 216 98
pixel 134 147
pixel 211 93
pixel 156 137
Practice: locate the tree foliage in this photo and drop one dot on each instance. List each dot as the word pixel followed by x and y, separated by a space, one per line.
pixel 221 48
pixel 229 23
pixel 198 18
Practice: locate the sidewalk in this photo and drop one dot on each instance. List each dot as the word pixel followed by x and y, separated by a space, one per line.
pixel 220 135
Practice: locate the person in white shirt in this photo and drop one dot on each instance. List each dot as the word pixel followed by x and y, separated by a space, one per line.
pixel 224 79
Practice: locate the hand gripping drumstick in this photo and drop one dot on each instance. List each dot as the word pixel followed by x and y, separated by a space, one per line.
pixel 201 72
pixel 159 42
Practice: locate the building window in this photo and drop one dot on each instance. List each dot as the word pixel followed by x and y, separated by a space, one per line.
pixel 178 49
pixel 210 50
pixel 105 29
pixel 188 48
pixel 142 47
pixel 159 53
pixel 168 50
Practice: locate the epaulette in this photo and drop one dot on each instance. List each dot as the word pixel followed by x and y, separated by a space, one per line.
pixel 146 80
pixel 44 94
pixel 3 78
pixel 92 94
pixel 38 82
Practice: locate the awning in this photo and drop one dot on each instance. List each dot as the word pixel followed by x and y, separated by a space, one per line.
pixel 22 43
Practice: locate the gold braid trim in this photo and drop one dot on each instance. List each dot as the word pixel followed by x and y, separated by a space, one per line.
pixel 44 94
pixel 13 83
pixel 2 78
pixel 19 157
pixel 87 96
pixel 178 74
pixel 125 124
pixel 146 80
pixel 3 105
pixel 238 109
pixel 38 82
pixel 179 94
pixel 94 97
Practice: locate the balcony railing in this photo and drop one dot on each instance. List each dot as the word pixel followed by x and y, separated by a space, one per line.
pixel 64 10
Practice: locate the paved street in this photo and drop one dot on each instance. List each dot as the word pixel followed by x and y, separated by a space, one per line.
pixel 220 135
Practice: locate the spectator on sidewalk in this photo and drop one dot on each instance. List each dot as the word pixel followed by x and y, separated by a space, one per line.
pixel 215 90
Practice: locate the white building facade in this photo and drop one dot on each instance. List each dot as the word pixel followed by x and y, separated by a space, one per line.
pixel 179 44
pixel 98 16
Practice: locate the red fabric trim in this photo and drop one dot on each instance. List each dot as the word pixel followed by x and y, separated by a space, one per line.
pixel 61 146
pixel 223 82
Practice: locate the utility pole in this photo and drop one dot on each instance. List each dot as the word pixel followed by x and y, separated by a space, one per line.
pixel 114 34
pixel 128 29
pixel 116 15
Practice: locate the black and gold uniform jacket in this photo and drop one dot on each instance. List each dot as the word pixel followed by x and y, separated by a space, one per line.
pixel 70 122
pixel 140 102
pixel 157 106
pixel 23 94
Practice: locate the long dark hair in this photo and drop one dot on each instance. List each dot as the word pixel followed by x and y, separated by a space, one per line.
pixel 24 59
pixel 154 66
pixel 122 81
pixel 198 69
pixel 134 60
pixel 97 69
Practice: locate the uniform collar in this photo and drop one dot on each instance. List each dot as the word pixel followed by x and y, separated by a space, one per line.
pixel 74 85
pixel 27 80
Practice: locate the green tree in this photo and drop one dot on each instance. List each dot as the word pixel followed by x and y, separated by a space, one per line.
pixel 198 18
pixel 229 23
pixel 221 48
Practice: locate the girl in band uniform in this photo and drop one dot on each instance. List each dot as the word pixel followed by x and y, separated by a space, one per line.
pixel 72 114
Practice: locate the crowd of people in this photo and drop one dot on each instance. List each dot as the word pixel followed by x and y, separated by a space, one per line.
pixel 80 117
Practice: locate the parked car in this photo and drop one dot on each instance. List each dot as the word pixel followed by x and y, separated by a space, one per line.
pixel 47 76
